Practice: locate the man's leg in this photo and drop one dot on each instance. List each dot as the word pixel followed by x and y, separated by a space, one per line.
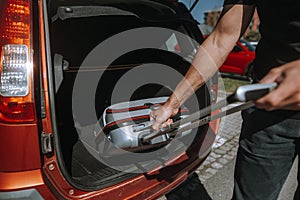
pixel 265 156
pixel 297 193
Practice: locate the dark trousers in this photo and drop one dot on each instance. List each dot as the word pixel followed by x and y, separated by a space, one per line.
pixel 269 143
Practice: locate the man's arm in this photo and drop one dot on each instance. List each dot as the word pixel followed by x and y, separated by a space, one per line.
pixel 210 56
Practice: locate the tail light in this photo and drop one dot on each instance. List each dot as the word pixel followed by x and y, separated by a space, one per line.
pixel 16 67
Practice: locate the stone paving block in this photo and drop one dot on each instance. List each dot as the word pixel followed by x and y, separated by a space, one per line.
pixel 227 136
pixel 206 162
pixel 214 155
pixel 235 149
pixel 223 161
pixel 232 153
pixel 219 151
pixel 216 165
pixel 236 139
pixel 210 159
pixel 228 145
pixel 229 157
pixel 224 148
pixel 200 168
pixel 211 170
pixel 204 177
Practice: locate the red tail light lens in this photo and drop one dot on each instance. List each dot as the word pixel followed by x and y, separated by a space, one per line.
pixel 17 111
pixel 16 20
pixel 16 68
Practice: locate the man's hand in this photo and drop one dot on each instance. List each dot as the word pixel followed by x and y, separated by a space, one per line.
pixel 162 116
pixel 287 94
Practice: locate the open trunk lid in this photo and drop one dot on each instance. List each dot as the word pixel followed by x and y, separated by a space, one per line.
pixel 107 52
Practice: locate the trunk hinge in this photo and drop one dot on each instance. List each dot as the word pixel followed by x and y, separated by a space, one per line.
pixel 47 143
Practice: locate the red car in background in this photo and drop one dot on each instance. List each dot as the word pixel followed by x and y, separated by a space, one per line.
pixel 240 60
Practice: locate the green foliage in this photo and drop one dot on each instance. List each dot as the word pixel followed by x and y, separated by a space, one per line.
pixel 231 84
pixel 252 36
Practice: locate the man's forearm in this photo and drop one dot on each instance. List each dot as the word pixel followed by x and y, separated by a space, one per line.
pixel 210 56
pixel 207 61
pixel 214 51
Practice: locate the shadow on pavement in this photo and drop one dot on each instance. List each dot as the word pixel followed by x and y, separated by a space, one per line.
pixel 190 189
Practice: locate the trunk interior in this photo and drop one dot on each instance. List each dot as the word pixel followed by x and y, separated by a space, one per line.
pixel 72 40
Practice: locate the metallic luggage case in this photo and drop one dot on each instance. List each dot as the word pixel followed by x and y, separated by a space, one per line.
pixel 123 123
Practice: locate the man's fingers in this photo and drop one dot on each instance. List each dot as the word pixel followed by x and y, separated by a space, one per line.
pixel 278 98
pixel 287 106
pixel 157 124
pixel 152 116
pixel 287 94
pixel 294 106
pixel 168 122
pixel 160 124
pixel 161 117
pixel 273 76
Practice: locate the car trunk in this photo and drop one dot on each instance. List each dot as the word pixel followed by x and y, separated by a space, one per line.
pixel 78 28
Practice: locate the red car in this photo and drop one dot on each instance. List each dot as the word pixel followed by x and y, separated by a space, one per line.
pixel 240 60
pixel 44 44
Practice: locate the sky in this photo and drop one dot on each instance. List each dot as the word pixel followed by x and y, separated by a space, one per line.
pixel 202 6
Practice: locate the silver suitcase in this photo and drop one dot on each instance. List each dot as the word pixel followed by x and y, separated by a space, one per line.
pixel 123 123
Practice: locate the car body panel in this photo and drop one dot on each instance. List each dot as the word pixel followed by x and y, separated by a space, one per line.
pixel 24 180
pixel 20 149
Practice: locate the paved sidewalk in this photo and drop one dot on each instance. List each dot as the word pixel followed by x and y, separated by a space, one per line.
pixel 226 144
pixel 223 153
pixel 218 165
pixel 225 147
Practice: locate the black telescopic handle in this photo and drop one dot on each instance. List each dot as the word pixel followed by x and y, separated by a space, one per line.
pixel 243 93
pixel 251 92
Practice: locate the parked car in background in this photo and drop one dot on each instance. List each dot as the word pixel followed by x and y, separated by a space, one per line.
pixel 254 43
pixel 240 60
pixel 43 44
